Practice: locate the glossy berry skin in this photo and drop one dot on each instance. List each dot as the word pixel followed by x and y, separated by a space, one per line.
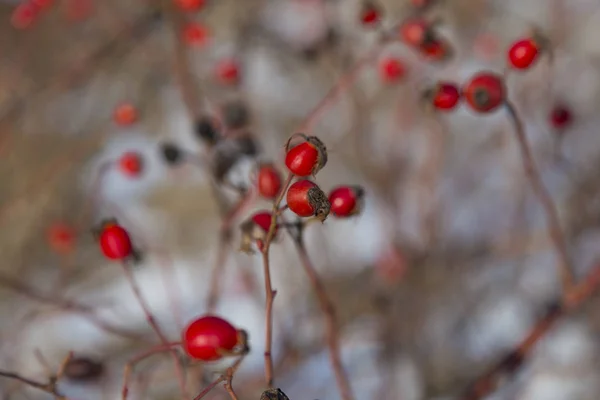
pixel 268 181
pixel 115 242
pixel 391 70
pixel 131 164
pixel 306 199
pixel 189 5
pixel 195 34
pixel 125 114
pixel 523 53
pixel 306 158
pixel 345 200
pixel 560 117
pixel 228 72
pixel 208 338
pixel 370 15
pixel 444 96
pixel 485 92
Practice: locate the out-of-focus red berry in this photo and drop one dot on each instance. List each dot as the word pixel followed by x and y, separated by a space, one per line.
pixel 24 15
pixel 560 117
pixel 485 92
pixel 190 5
pixel 523 53
pixel 131 164
pixel 268 181
pixel 115 242
pixel 391 70
pixel 306 158
pixel 228 71
pixel 61 238
pixel 346 200
pixel 125 114
pixel 195 34
pixel 444 96
pixel 415 32
pixel 370 14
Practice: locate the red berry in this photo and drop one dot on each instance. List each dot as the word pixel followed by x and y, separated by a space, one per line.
pixel 435 50
pixel 209 338
pixel 115 242
pixel 255 229
pixel 61 238
pixel 268 181
pixel 263 220
pixel 560 117
pixel 345 200
pixel 523 53
pixel 370 14
pixel 228 72
pixel 444 96
pixel 306 158
pixel 306 199
pixel 485 92
pixel 391 70
pixel 24 15
pixel 125 114
pixel 189 5
pixel 131 164
pixel 415 32
pixel 195 34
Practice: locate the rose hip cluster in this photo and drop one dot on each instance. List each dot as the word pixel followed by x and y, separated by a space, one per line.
pixel 304 197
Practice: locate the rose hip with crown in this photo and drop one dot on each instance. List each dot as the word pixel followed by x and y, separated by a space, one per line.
pixel 306 158
pixel 131 164
pixel 444 96
pixel 306 199
pixel 485 92
pixel 210 338
pixel 268 181
pixel 346 200
pixel 523 53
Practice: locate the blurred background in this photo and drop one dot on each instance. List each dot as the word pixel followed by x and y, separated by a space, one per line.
pixel 444 272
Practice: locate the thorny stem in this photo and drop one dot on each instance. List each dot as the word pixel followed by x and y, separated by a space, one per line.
pixel 554 229
pixel 270 293
pixel 328 309
pixel 510 364
pixel 154 325
pixel 226 377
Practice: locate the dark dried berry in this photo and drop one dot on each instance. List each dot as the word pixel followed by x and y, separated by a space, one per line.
pixel 171 153
pixel 83 369
pixel 273 394
pixel 206 131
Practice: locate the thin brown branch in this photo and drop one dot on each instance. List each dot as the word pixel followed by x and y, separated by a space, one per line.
pixel 226 377
pixel 48 387
pixel 329 313
pixel 554 230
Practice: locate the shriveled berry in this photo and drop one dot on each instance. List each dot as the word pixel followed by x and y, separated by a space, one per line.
pixel 83 369
pixel 560 117
pixel 24 15
pixel 485 92
pixel 255 229
pixel 228 72
pixel 391 70
pixel 346 200
pixel 370 14
pixel 125 114
pixel 523 53
pixel 61 238
pixel 131 164
pixel 195 34
pixel 171 153
pixel 444 96
pixel 268 181
pixel 306 199
pixel 206 130
pixel 209 338
pixel 306 158
pixel 416 32
pixel 190 5
pixel 115 242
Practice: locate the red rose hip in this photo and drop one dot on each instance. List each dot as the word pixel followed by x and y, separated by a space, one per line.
pixel 485 92
pixel 115 242
pixel 523 53
pixel 391 70
pixel 209 338
pixel 131 164
pixel 346 200
pixel 306 199
pixel 306 158
pixel 268 181
pixel 370 14
pixel 444 96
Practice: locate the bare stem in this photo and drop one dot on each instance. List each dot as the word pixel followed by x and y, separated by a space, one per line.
pixel 328 309
pixel 226 377
pixel 554 229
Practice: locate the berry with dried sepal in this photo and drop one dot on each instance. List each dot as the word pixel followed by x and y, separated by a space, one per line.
pixel 485 92
pixel 306 199
pixel 391 70
pixel 210 338
pixel 83 369
pixel 115 242
pixel 523 53
pixel 268 181
pixel 370 14
pixel 228 72
pixel 171 154
pixel 131 164
pixel 306 158
pixel 256 229
pixel 190 5
pixel 125 114
pixel 195 34
pixel 346 201
pixel 560 117
pixel 444 96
